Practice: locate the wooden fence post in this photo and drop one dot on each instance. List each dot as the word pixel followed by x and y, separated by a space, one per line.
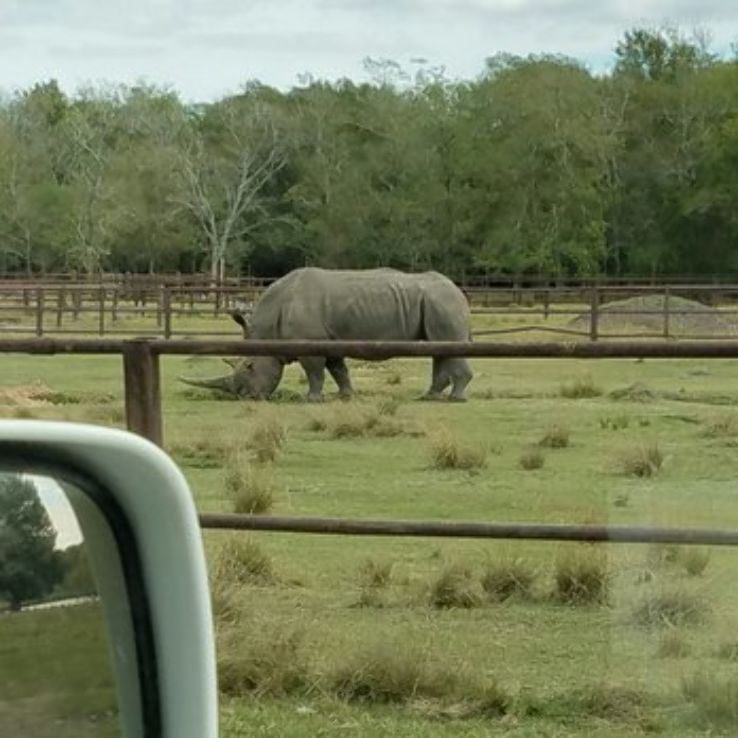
pixel 166 297
pixel 114 308
pixel 666 312
pixel 594 313
pixel 142 391
pixel 160 307
pixel 61 298
pixel 101 311
pixel 40 312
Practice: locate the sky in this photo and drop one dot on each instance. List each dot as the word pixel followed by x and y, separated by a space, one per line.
pixel 205 49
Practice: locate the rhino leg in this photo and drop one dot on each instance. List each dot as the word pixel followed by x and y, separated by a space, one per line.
pixel 340 373
pixel 461 374
pixel 440 380
pixel 314 368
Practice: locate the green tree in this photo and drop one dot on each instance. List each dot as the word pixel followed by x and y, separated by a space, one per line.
pixel 29 565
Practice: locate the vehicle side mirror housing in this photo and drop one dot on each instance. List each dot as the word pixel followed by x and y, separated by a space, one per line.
pixel 144 547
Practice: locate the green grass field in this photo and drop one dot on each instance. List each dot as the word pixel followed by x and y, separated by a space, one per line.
pixel 334 636
pixel 55 674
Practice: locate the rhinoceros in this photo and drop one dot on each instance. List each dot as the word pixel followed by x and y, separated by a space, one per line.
pixel 371 304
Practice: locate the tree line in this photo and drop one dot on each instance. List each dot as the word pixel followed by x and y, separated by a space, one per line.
pixel 537 165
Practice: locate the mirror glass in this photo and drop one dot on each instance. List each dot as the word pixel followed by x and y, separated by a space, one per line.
pixel 56 675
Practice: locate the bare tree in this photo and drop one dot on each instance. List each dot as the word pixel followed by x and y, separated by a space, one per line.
pixel 223 182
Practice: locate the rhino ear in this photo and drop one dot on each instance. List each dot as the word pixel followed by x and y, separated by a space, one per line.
pixel 242 315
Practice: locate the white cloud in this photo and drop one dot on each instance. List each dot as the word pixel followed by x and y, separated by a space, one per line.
pixel 207 47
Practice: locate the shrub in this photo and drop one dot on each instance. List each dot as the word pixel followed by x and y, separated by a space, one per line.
pixel 584 387
pixel 270 663
pixel 510 577
pixel 455 586
pixel 642 461
pixel 582 576
pixel 557 436
pixel 448 452
pixel 673 608
pixel 531 458
pixel 251 488
pixel 267 438
pixel 243 562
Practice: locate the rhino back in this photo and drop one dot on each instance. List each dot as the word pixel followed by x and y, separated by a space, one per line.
pixel 371 304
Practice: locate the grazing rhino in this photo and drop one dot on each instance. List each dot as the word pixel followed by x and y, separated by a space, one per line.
pixel 370 305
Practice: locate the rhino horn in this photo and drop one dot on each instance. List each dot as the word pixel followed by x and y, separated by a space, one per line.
pixel 224 383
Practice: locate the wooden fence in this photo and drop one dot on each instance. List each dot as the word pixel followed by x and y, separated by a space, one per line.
pixel 143 415
pixel 48 309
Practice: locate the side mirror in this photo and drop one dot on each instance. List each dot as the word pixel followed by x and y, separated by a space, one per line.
pixel 105 620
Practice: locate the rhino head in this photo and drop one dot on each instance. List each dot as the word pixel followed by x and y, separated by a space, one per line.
pixel 254 377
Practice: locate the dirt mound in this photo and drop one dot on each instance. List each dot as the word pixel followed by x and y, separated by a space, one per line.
pixel 646 313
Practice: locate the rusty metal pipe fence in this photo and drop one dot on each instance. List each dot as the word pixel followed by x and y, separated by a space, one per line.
pixel 143 414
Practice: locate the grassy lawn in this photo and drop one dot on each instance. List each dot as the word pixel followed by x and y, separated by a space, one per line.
pixel 327 636
pixel 55 675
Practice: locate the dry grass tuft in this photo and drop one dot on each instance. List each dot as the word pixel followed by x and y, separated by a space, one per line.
pixel 694 560
pixel 714 697
pixel 388 406
pixel 581 388
pixel 724 426
pixel 373 573
pixel 641 461
pixel 673 645
pixel 206 452
pixel 243 561
pixel 615 422
pixel 251 488
pixel 394 378
pixel 511 577
pixel 610 702
pixel 557 436
pixel 582 576
pixel 455 586
pixel 223 601
pixel 267 437
pixel 728 650
pixel 447 452
pixel 270 663
pixel 671 608
pixel 532 458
